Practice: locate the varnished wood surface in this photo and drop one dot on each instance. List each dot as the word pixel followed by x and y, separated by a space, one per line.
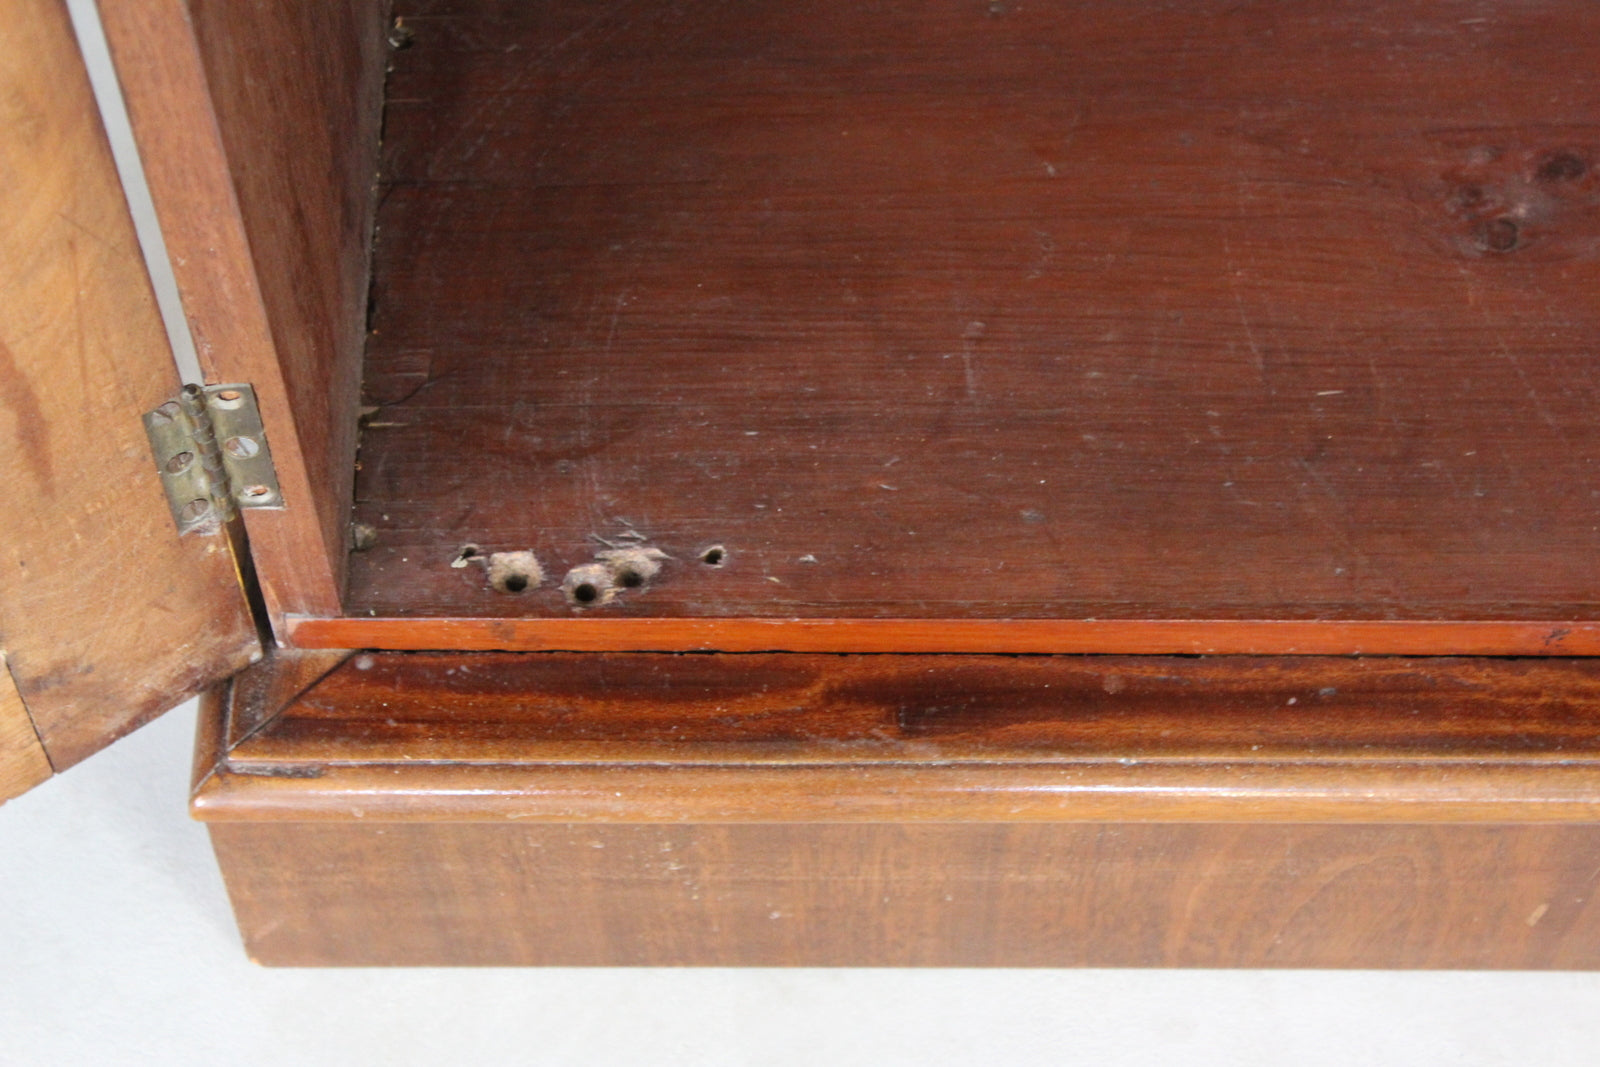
pixel 260 693
pixel 107 617
pixel 793 738
pixel 258 127
pixel 896 895
pixel 1037 636
pixel 967 310
pixel 23 763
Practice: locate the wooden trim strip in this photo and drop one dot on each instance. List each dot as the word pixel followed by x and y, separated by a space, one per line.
pixel 1086 791
pixel 1267 637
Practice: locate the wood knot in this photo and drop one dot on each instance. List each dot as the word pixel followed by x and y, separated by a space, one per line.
pixel 1527 199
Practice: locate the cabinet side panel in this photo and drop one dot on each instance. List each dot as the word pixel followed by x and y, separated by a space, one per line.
pixel 107 617
pixel 900 895
pixel 258 125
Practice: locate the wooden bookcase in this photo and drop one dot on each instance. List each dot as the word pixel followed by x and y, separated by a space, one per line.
pixel 1007 483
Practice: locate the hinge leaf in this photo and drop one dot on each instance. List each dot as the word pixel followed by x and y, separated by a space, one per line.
pixel 211 451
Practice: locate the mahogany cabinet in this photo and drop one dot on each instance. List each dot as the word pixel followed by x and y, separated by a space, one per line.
pixel 918 482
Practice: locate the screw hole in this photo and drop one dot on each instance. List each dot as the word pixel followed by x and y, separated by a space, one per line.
pixel 589 585
pixel 256 493
pixel 1499 235
pixel 228 398
pixel 632 568
pixel 715 556
pixel 509 572
pixel 466 554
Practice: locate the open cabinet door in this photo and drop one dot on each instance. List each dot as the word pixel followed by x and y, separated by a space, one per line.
pixel 107 616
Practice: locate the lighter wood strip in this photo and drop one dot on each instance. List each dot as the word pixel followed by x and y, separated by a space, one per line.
pixel 1270 637
pixel 23 763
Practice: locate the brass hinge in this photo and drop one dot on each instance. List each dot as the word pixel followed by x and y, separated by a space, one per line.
pixel 211 450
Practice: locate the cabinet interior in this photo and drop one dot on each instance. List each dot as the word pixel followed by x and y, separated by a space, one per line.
pixel 977 310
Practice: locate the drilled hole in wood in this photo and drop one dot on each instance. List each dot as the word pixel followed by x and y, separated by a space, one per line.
pixel 513 572
pixel 589 585
pixel 1499 235
pixel 465 555
pixel 715 556
pixel 631 568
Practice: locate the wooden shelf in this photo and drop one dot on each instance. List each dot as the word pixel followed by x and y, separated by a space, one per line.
pixel 966 311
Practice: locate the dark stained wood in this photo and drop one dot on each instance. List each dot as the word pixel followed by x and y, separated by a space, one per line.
pixel 913 895
pixel 107 617
pixel 960 310
pixel 260 693
pixel 258 125
pixel 794 738
pixel 1128 636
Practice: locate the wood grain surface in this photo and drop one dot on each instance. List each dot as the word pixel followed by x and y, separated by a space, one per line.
pixel 23 763
pixel 792 738
pixel 1033 636
pixel 258 127
pixel 107 617
pixel 915 895
pixel 952 309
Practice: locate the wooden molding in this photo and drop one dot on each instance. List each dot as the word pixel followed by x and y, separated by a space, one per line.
pixel 762 810
pixel 808 738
